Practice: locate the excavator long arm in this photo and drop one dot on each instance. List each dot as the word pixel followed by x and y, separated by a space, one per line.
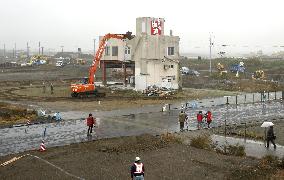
pixel 100 51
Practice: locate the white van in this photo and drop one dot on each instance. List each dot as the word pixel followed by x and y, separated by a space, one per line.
pixel 59 63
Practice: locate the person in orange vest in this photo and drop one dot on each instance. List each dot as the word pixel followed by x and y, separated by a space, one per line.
pixel 199 119
pixel 137 170
pixel 209 118
pixel 90 123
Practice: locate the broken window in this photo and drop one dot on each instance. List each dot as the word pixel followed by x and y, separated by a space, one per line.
pixel 114 50
pixel 171 51
pixel 127 50
pixel 107 51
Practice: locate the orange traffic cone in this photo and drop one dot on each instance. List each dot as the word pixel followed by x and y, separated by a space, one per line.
pixel 42 146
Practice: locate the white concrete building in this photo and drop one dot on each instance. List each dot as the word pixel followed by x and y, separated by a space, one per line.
pixel 156 55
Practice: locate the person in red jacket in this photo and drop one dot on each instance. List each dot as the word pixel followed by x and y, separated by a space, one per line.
pixel 209 118
pixel 90 123
pixel 199 119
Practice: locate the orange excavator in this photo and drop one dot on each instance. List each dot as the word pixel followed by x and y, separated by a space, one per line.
pixel 87 86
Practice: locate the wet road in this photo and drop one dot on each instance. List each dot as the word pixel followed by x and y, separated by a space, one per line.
pixel 252 148
pixel 130 122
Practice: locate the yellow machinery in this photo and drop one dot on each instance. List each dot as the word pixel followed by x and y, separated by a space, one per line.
pixel 221 69
pixel 80 61
pixel 259 74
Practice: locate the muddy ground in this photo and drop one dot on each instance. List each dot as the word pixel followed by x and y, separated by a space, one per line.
pixel 164 158
pixel 12 113
pixel 25 86
pixel 111 158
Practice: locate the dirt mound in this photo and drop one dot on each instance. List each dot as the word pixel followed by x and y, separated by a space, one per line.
pixel 134 144
pixel 13 113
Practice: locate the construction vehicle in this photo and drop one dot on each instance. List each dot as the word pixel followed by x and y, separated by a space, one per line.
pixel 80 61
pixel 238 68
pixel 221 69
pixel 87 86
pixel 259 74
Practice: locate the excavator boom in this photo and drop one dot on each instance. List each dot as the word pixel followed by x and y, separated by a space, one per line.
pixel 90 88
pixel 99 54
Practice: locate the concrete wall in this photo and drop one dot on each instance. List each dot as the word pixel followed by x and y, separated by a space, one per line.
pixel 150 54
pixel 121 44
pixel 163 74
pixel 144 25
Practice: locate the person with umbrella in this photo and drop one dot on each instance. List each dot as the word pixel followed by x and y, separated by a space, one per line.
pixel 270 137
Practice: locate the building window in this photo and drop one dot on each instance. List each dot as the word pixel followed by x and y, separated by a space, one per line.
pixel 127 50
pixel 114 50
pixel 172 66
pixel 143 27
pixel 171 51
pixel 107 51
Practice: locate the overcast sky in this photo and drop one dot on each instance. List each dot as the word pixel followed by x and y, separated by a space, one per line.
pixel 245 25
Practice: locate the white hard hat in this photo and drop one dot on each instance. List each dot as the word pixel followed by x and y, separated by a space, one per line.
pixel 137 159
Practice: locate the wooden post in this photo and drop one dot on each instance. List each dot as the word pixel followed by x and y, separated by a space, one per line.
pixel 245 130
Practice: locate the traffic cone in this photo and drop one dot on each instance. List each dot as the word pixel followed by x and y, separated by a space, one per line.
pixel 42 146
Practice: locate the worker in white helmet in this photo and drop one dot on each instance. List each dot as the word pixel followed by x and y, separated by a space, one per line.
pixel 137 170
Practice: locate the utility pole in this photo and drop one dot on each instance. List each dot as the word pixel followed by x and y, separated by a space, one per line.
pixel 39 48
pixel 210 55
pixel 42 50
pixel 4 53
pixel 28 49
pixel 15 50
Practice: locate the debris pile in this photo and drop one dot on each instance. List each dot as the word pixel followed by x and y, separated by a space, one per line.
pixel 156 91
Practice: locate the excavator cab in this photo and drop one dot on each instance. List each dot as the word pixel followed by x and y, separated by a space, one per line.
pixel 85 80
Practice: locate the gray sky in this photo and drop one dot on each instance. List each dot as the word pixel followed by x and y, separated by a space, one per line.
pixel 258 24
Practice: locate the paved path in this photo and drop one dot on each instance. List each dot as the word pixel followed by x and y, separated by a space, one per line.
pixel 252 148
pixel 128 123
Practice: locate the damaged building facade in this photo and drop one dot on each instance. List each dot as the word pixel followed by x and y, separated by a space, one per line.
pixel 156 55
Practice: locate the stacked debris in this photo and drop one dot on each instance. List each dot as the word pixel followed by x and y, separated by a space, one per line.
pixel 9 64
pixel 157 91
